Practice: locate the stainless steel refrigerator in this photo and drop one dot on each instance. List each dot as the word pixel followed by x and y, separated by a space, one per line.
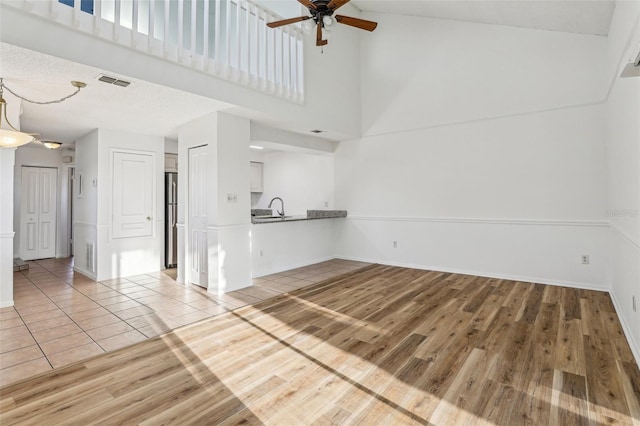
pixel 170 220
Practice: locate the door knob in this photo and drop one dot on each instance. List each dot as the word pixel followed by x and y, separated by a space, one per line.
pixel 148 217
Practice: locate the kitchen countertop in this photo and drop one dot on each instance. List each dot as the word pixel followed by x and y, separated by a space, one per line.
pixel 311 215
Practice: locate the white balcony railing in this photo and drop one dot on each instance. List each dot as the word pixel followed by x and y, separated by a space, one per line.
pixel 225 38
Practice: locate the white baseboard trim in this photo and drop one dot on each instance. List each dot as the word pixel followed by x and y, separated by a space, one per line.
pixel 520 278
pixel 85 273
pixel 292 266
pixel 635 349
pixel 6 304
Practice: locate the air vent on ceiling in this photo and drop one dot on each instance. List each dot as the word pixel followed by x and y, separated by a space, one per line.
pixel 112 80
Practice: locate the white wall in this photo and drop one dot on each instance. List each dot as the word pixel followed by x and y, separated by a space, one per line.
pixel 623 169
pixel 38 156
pixel 453 72
pixel 121 257
pixel 303 181
pixel 170 146
pixel 85 208
pixel 116 257
pixel 481 154
pixel 228 222
pixel 7 159
pixel 277 247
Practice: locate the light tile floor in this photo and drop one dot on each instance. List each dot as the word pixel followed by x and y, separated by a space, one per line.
pixel 61 317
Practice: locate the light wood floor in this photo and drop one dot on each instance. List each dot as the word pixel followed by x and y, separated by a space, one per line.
pixel 382 345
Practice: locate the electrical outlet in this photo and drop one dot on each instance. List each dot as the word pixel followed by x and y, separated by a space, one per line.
pixel 395 244
pixel 261 253
pixel 326 204
pixel 585 259
pixel 232 198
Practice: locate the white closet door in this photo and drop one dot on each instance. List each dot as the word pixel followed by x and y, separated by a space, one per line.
pixel 133 194
pixel 198 216
pixel 47 214
pixel 38 213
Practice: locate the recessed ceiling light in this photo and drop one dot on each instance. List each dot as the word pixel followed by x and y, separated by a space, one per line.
pixel 317 131
pixel 256 147
pixel 52 144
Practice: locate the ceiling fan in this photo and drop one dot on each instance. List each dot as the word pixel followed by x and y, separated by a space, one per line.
pixel 321 13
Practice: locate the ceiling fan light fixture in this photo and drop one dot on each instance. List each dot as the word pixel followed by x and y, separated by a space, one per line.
pixel 322 16
pixel 52 144
pixel 308 26
pixel 14 138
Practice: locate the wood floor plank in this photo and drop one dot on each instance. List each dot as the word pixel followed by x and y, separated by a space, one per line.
pixel 605 390
pixel 569 347
pixel 382 345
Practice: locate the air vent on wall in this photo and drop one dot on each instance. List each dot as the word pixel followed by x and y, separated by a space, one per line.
pixel 91 257
pixel 112 80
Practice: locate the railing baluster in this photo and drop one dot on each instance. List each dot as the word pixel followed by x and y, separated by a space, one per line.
pixel 265 39
pixel 256 50
pixel 152 18
pixel 282 76
pixel 134 18
pixel 97 8
pixel 194 28
pixel 167 12
pixel 217 39
pixel 228 38
pixel 238 35
pixel 205 34
pixel 116 13
pixel 247 36
pixel 294 63
pixel 180 26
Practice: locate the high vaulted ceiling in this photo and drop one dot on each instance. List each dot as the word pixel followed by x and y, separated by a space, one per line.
pixel 574 16
pixel 159 110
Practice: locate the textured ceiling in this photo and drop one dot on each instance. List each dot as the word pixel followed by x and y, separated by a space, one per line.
pixel 140 108
pixel 574 16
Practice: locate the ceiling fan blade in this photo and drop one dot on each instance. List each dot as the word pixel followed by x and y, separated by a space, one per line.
pixel 334 4
pixel 308 4
pixel 319 40
pixel 277 24
pixel 357 22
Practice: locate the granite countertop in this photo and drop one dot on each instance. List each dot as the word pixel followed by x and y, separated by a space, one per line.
pixel 266 216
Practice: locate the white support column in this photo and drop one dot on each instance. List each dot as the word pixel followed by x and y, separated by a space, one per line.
pixel 229 226
pixel 7 162
pixel 228 200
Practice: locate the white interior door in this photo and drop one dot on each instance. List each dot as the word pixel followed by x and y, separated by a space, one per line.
pixel 133 194
pixel 38 213
pixel 198 216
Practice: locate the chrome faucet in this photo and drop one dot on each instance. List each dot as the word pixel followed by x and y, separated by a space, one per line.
pixel 281 213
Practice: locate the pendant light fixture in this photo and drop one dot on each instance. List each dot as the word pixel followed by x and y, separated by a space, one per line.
pixel 10 137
